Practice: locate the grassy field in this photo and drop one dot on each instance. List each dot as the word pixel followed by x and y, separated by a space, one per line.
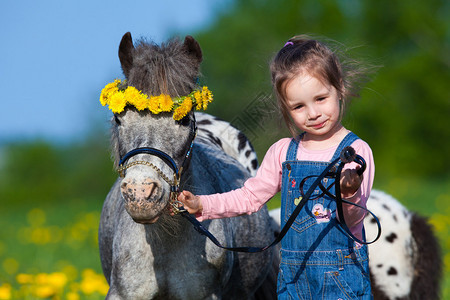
pixel 51 251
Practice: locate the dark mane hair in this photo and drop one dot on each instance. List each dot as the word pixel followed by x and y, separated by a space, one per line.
pixel 168 68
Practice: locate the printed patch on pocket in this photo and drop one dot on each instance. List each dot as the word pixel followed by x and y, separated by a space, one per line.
pixel 322 215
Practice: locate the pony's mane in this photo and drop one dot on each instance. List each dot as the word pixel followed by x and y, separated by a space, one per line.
pixel 163 69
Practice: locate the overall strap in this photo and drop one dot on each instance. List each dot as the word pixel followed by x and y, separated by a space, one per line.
pixel 347 141
pixel 293 147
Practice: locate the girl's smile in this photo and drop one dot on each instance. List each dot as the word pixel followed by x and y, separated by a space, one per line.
pixel 318 126
pixel 315 109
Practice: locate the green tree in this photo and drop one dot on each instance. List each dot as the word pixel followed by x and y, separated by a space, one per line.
pixel 39 173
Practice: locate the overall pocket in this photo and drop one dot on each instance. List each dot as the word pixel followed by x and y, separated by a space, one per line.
pixel 336 287
pixel 348 284
pixel 306 217
pixel 292 282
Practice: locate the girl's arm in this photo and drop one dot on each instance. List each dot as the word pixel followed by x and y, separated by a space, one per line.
pixel 246 200
pixel 355 188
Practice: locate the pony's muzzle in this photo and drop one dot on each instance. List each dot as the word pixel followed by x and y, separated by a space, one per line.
pixel 142 199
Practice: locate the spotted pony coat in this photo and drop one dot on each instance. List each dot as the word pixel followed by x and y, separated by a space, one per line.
pixel 231 140
pixel 405 263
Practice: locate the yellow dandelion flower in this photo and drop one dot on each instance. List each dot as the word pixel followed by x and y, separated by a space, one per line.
pixel 93 282
pixel 57 280
pixel 103 288
pixel 41 278
pixel 108 90
pixel 165 102
pixel 72 296
pixel 117 103
pixel 153 105
pixel 136 98
pixel 187 103
pixel 117 100
pixel 207 97
pixel 88 287
pixel 88 273
pixel 24 278
pixel 5 291
pixel 198 100
pixel 181 111
pixel 44 291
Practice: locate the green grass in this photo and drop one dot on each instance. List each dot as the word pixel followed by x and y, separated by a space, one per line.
pixel 61 239
pixel 51 251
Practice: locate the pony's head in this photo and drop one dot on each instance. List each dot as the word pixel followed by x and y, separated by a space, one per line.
pixel 155 76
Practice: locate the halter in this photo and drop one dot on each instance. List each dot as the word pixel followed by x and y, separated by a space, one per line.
pixel 168 160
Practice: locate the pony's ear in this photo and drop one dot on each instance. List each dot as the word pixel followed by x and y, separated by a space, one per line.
pixel 126 53
pixel 193 48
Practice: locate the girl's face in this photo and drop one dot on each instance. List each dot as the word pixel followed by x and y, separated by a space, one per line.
pixel 314 107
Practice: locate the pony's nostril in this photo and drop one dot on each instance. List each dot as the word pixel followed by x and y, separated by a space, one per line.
pixel 127 191
pixel 123 185
pixel 153 188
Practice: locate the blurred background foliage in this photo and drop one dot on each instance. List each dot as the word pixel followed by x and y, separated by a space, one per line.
pixel 402 113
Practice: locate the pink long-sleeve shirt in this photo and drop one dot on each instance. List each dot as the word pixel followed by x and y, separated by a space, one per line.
pixel 267 182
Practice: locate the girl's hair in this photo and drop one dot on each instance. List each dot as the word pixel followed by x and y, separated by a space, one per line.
pixel 304 54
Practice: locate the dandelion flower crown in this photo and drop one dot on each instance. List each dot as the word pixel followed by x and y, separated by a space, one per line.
pixel 116 96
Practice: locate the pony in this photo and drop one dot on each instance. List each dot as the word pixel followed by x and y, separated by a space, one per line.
pixel 145 252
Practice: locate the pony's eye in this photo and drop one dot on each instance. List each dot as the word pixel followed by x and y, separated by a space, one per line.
pixel 117 120
pixel 185 121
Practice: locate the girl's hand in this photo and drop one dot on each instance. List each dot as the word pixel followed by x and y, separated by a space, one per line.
pixel 350 182
pixel 190 202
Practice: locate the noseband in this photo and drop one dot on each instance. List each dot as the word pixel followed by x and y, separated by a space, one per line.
pixel 168 160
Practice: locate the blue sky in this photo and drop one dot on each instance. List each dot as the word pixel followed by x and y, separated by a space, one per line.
pixel 56 56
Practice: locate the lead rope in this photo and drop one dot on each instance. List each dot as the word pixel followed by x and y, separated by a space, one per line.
pixel 347 155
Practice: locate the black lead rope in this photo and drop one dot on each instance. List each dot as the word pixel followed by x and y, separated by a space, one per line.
pixel 347 155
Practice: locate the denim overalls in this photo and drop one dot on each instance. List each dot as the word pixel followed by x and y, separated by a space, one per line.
pixel 318 259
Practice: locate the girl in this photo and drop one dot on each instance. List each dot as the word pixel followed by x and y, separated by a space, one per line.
pixel 318 259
